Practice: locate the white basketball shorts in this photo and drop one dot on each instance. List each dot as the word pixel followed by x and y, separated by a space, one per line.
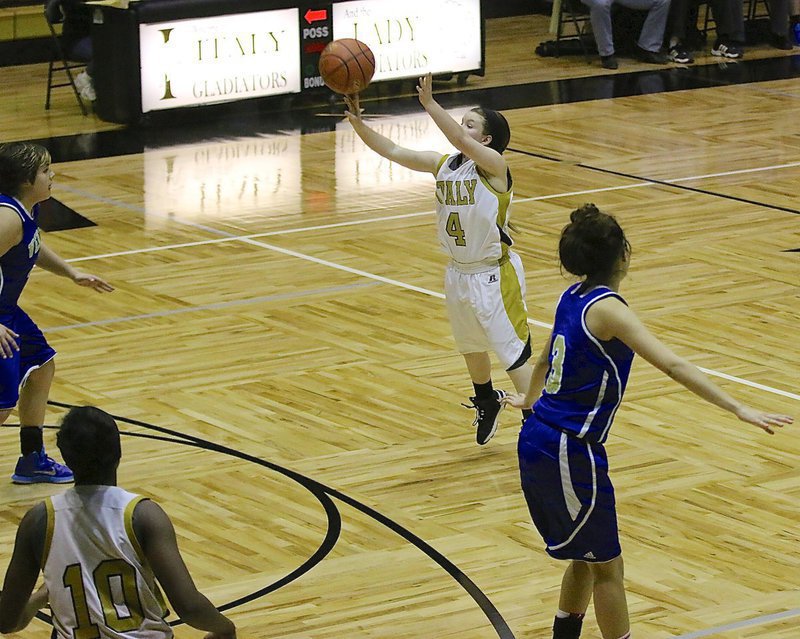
pixel 487 308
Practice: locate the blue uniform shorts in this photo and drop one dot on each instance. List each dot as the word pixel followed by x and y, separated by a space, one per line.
pixel 569 493
pixel 34 351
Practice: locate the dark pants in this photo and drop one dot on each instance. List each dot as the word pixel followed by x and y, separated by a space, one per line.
pixel 728 17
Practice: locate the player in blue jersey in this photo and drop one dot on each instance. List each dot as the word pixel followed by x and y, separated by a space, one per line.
pixel 484 281
pixel 577 384
pixel 26 359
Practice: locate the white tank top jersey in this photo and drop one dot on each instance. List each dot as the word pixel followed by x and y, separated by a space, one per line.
pixel 470 214
pixel 99 582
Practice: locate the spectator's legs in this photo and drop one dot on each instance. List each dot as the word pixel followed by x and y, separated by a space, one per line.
pixel 652 35
pixel 779 17
pixel 82 50
pixel 600 16
pixel 729 18
pixel 676 21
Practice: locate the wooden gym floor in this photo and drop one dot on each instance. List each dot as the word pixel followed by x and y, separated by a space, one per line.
pixel 279 358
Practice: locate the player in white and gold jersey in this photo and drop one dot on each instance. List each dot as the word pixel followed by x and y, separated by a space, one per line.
pixel 103 552
pixel 484 282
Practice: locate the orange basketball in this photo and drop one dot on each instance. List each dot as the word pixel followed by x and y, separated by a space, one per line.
pixel 347 65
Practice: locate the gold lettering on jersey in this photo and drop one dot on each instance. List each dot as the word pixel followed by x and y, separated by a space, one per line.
pixel 449 200
pixel 471 184
pixel 34 244
pixel 440 191
pixel 451 193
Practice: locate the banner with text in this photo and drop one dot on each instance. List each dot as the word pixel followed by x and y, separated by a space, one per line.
pixel 413 37
pixel 219 59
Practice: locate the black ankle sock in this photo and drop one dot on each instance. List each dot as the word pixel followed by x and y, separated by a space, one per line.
pixel 483 391
pixel 567 627
pixel 30 439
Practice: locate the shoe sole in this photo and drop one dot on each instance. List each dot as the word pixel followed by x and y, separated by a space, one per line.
pixel 719 54
pixel 44 479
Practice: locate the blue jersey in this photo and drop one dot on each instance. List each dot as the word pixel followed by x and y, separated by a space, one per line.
pixel 17 263
pixel 587 376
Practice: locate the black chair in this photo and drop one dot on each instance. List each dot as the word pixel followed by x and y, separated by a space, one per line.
pixel 752 10
pixel 572 22
pixel 60 62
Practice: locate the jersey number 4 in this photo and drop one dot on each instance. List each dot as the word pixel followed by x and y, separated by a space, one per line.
pixel 111 577
pixel 454 228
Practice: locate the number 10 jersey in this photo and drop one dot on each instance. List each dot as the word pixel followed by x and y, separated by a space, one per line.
pixel 99 583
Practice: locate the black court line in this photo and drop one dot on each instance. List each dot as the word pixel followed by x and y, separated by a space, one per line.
pixel 675 185
pixel 324 494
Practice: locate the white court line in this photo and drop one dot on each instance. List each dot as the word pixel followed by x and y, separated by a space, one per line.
pixel 250 239
pixel 746 382
pixel 737 172
pixel 755 621
pixel 231 238
pixel 417 289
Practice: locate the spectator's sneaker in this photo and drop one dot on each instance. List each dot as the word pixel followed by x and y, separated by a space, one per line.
pixel 651 57
pixel 609 62
pixel 88 94
pixel 487 414
pixel 727 50
pixel 82 80
pixel 37 468
pixel 680 55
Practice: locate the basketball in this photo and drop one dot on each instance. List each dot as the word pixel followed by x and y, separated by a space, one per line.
pixel 346 66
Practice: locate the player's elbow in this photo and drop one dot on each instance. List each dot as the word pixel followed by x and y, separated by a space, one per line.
pixel 191 605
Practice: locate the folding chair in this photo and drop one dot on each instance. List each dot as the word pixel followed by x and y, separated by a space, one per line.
pixel 575 14
pixel 59 60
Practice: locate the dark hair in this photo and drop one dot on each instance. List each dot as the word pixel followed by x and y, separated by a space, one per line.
pixel 496 125
pixel 19 164
pixel 592 243
pixel 89 441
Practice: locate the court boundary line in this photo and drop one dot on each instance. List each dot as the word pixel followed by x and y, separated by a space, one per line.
pixel 745 623
pixel 675 182
pixel 251 239
pixel 642 182
pixel 398 283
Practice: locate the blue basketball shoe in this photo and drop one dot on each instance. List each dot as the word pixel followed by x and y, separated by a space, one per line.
pixel 38 468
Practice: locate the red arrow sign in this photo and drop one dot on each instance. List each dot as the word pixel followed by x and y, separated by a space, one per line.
pixel 315 16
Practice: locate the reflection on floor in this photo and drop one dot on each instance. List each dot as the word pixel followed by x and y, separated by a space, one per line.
pixel 263 118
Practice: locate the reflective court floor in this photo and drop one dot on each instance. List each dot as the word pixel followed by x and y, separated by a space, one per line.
pixel 279 358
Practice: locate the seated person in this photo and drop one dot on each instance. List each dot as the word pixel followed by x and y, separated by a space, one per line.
pixel 779 24
pixel 77 41
pixel 648 47
pixel 729 26
pixel 729 20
